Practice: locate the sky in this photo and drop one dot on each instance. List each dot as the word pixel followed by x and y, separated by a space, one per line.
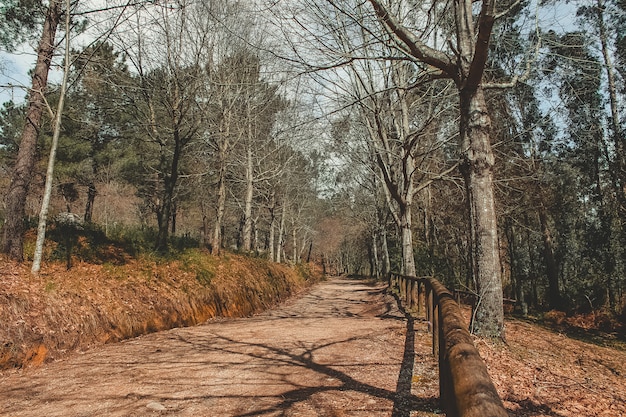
pixel 14 72
pixel 14 67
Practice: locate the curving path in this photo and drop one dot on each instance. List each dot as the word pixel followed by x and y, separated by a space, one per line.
pixel 342 349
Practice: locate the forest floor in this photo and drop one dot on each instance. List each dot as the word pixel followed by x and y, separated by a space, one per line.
pixel 543 371
pixel 341 348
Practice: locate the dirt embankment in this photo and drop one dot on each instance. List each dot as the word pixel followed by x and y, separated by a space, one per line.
pixel 62 311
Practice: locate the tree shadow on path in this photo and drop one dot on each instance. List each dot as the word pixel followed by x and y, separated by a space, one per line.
pixel 404 402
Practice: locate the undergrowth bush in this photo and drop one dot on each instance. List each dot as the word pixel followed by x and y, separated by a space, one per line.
pixel 199 263
pixel 90 243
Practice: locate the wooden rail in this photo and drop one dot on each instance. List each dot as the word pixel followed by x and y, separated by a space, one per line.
pixel 465 387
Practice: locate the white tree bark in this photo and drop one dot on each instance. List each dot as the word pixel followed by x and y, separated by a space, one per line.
pixel 45 203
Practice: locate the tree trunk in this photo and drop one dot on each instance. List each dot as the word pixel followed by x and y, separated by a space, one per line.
pixel 294 236
pixel 618 168
pixel 281 235
pixel 386 257
pixel 170 180
pixel 532 267
pixel 552 269
pixel 91 198
pixel 255 234
pixel 375 258
pixel 205 225
pixel 45 203
pixel 221 207
pixel 408 260
pixel 174 218
pixel 477 169
pixel 247 214
pixel 517 273
pixel 13 230
pixel 272 237
pixel 618 171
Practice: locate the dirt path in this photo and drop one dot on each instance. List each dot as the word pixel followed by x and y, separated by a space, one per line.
pixel 343 349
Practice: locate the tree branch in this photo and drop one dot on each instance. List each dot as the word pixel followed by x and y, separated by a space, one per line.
pixel 481 49
pixel 416 47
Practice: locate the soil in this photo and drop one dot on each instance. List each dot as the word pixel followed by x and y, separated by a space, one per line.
pixel 340 349
pixel 343 349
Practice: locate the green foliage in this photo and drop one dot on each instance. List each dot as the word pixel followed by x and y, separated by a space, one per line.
pixel 182 243
pixel 200 263
pixel 430 262
pixel 86 243
pixel 134 239
pixel 12 118
pixel 19 20
pixel 89 243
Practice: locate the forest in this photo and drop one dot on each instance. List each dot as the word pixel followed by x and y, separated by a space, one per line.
pixel 483 143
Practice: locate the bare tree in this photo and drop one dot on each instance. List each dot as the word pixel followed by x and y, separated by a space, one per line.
pixel 403 141
pixel 464 60
pixel 440 47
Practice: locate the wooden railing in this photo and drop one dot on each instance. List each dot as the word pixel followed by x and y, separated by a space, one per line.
pixel 465 387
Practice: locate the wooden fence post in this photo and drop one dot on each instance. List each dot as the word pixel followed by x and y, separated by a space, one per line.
pixel 407 291
pixel 414 293
pixel 436 325
pixel 429 307
pixel 418 296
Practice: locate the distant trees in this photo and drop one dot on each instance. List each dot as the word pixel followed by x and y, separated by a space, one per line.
pixel 565 238
pixel 172 101
pixel 242 110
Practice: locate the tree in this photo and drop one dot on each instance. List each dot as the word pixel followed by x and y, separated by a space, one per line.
pixel 97 120
pixel 589 225
pixel 13 229
pixel 169 109
pixel 260 108
pixel 43 214
pixel 466 67
pixel 462 60
pixel 228 84
pixel 18 20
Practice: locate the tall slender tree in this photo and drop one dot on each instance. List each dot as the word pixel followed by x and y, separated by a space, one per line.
pixel 13 228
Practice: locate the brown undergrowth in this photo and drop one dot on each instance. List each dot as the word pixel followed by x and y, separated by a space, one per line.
pixel 63 311
pixel 543 372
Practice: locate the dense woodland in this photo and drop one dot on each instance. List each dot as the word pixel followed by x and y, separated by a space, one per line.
pixel 480 142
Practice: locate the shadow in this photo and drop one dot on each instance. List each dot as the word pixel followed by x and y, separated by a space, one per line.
pixel 527 408
pixel 405 402
pixel 615 339
pixel 401 408
pixel 257 371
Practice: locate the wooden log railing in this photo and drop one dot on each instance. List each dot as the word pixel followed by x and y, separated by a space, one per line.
pixel 465 387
